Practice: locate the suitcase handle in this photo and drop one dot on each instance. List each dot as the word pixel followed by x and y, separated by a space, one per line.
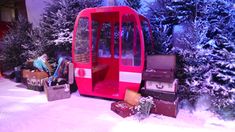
pixel 159 87
pixel 61 87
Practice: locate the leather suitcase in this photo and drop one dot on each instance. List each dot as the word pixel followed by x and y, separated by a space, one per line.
pixel 160 68
pixel 167 96
pixel 35 80
pixel 162 86
pixel 158 75
pixel 123 108
pixel 166 108
pixel 132 97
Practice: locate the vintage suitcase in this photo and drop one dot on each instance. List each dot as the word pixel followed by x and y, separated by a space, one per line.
pixel 132 97
pixel 167 96
pixel 160 68
pixel 162 86
pixel 35 80
pixel 166 108
pixel 158 75
pixel 60 91
pixel 123 109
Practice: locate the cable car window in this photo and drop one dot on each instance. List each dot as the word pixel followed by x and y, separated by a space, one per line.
pixel 82 41
pixel 95 26
pixel 105 40
pixel 146 34
pixel 137 48
pixel 116 40
pixel 130 41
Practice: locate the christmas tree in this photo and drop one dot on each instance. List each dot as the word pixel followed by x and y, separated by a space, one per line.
pixel 135 4
pixel 206 65
pixel 17 43
pixel 216 42
pixel 58 22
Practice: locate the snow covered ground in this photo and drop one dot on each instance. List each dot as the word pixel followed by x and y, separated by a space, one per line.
pixel 23 110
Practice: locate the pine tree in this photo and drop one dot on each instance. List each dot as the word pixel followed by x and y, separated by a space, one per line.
pixel 218 46
pixel 58 21
pixel 164 15
pixel 17 43
pixel 212 72
pixel 135 4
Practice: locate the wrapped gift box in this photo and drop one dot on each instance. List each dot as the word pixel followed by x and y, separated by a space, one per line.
pixel 123 108
pixel 162 86
pixel 168 96
pixel 167 108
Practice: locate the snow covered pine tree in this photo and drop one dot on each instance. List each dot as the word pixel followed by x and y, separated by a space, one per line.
pixel 213 72
pixel 58 21
pixel 17 43
pixel 216 43
pixel 135 4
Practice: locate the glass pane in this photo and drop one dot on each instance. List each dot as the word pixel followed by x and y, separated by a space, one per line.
pixel 95 26
pixel 82 41
pixel 137 49
pixel 116 40
pixel 105 40
pixel 131 50
pixel 146 34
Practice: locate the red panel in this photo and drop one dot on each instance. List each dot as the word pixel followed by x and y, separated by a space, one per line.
pixel 113 68
pixel 84 87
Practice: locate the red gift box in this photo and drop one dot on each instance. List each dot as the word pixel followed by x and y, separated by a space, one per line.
pixel 123 109
pixel 167 108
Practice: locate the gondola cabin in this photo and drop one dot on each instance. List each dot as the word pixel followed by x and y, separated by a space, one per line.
pixel 108 51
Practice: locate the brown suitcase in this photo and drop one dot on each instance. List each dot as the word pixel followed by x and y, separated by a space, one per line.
pixel 167 96
pixel 132 97
pixel 166 108
pixel 123 108
pixel 162 86
pixel 160 68
pixel 35 80
pixel 158 75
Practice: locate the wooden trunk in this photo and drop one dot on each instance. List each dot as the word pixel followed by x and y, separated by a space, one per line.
pixel 57 92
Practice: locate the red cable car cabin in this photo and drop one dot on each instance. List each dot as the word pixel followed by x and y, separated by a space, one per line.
pixel 108 51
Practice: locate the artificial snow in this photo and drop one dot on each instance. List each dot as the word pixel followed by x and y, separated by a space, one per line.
pixel 23 110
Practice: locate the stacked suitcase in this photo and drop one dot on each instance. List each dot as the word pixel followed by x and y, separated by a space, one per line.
pixel 161 84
